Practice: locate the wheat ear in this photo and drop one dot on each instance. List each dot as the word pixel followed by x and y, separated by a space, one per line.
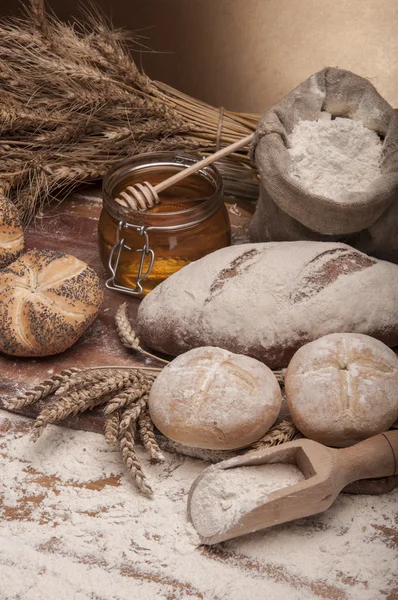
pixel 127 397
pixel 130 415
pixel 130 459
pixel 285 431
pixel 127 334
pixel 280 376
pixel 62 408
pixel 41 390
pixel 111 429
pixel 147 435
pixel 38 14
pixel 76 402
pixel 84 379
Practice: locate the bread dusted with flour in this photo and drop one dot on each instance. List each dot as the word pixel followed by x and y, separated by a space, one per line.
pixel 343 388
pixel 12 241
pixel 267 300
pixel 47 300
pixel 211 398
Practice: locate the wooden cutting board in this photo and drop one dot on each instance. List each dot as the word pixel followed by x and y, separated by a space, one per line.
pixel 72 227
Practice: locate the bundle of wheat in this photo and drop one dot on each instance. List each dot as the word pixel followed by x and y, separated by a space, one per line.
pixel 73 102
pixel 123 393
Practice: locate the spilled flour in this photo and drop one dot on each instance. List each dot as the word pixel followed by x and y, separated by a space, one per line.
pixel 222 497
pixel 73 527
pixel 332 158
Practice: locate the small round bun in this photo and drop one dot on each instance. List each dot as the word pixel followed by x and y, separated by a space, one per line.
pixel 211 398
pixel 12 241
pixel 343 388
pixel 47 300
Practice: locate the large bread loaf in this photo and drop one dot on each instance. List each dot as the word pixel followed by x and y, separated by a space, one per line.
pixel 267 300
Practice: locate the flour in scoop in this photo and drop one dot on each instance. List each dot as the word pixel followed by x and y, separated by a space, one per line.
pixel 332 158
pixel 222 497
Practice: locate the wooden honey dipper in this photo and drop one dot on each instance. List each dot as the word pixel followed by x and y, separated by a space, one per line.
pixel 142 196
pixel 326 470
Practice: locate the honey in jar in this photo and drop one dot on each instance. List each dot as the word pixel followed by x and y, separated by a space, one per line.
pixel 141 248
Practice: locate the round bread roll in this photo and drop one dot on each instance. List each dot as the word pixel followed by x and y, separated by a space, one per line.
pixel 47 300
pixel 211 398
pixel 12 241
pixel 343 388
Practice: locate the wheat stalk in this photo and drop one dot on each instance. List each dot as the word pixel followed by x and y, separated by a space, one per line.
pixel 127 334
pixel 62 408
pixel 128 397
pixel 130 459
pixel 113 382
pixel 73 102
pixel 124 392
pixel 285 431
pixel 76 401
pixel 41 390
pixel 130 415
pixel 81 380
pixel 147 435
pixel 38 12
pixel 111 429
pixel 280 376
pixel 92 377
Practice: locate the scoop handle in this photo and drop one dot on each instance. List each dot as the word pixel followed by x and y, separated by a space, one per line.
pixel 374 457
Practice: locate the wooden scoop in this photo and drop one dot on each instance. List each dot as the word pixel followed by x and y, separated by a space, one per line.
pixel 326 470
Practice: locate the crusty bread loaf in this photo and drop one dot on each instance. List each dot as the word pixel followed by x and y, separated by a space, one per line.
pixel 211 398
pixel 47 300
pixel 11 233
pixel 266 300
pixel 343 388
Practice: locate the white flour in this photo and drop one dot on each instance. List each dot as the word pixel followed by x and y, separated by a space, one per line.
pixel 73 527
pixel 333 158
pixel 223 496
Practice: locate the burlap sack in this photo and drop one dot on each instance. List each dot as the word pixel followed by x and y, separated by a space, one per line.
pixel 286 211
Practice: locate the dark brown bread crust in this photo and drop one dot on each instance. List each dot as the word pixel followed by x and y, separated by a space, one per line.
pixel 326 268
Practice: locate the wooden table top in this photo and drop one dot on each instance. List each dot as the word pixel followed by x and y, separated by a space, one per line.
pixel 84 531
pixel 72 226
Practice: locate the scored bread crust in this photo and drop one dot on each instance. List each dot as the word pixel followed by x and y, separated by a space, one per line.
pixel 211 398
pixel 12 241
pixel 47 300
pixel 343 388
pixel 267 300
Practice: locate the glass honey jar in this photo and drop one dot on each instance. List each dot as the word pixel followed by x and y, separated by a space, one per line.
pixel 142 248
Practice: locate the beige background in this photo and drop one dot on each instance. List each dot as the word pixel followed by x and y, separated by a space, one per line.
pixel 246 54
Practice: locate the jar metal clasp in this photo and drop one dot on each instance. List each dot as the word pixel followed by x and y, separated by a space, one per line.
pixel 114 259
